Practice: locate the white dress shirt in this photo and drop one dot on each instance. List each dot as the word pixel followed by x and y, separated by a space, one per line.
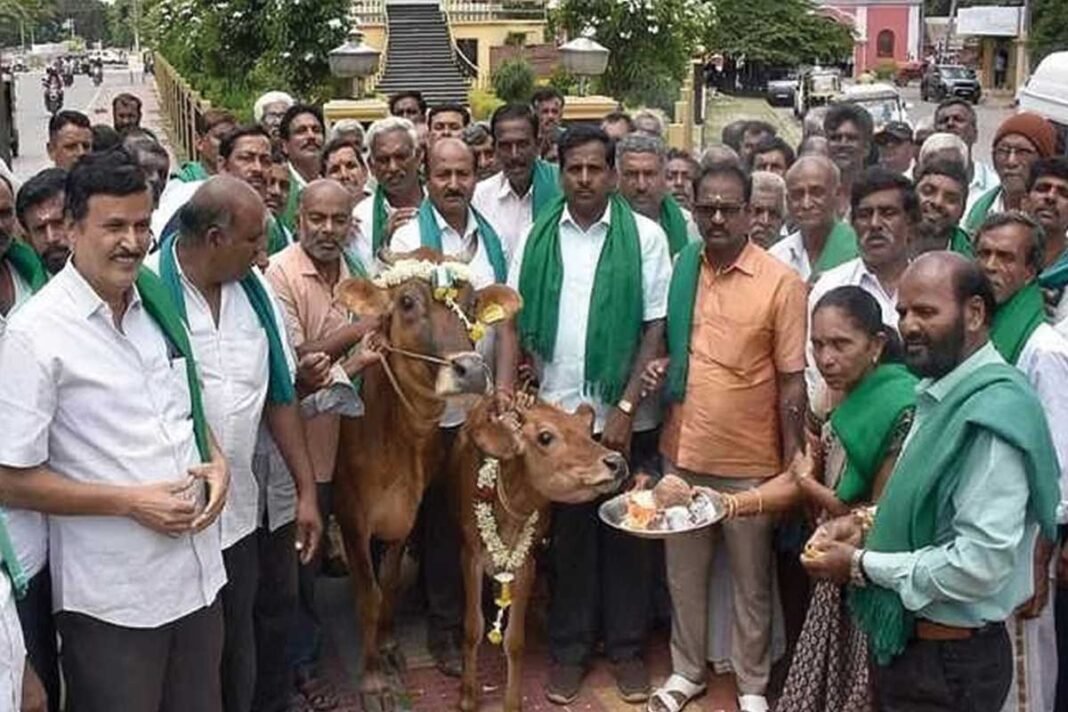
pixel 176 194
pixel 791 251
pixel 408 238
pixel 511 215
pixel 28 530
pixel 363 230
pixel 563 378
pixel 104 405
pixel 233 367
pixel 984 178
pixel 1044 360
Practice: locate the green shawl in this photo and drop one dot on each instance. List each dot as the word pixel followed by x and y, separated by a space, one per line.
pixel 192 171
pixel 296 187
pixel 616 304
pixel 674 224
pixel 865 421
pixel 996 398
pixel 961 243
pixel 1056 275
pixel 1015 321
pixel 980 210
pixel 354 263
pixel 25 261
pixel 682 295
pixel 545 182
pixel 841 246
pixel 280 388
pixel 278 238
pixel 162 310
pixel 430 236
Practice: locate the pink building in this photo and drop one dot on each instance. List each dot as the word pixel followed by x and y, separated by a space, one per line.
pixel 886 30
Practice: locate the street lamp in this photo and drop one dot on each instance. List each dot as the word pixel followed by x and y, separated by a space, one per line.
pixel 354 60
pixel 584 58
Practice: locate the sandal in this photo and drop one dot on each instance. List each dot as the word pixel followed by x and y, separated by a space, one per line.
pixel 319 693
pixel 676 693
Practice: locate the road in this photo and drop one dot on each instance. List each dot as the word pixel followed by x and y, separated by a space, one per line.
pixel 32 118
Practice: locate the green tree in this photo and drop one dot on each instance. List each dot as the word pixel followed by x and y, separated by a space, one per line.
pixel 778 32
pixel 1049 28
pixel 514 81
pixel 652 42
pixel 300 37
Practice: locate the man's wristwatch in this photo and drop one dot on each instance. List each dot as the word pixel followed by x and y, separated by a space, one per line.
pixel 625 406
pixel 857 577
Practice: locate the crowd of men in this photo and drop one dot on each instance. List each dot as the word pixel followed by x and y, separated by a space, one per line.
pixel 177 368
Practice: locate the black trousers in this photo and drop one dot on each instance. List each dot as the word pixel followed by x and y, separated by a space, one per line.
pixel 273 614
pixel 305 638
pixel 972 675
pixel 239 639
pixel 172 668
pixel 39 633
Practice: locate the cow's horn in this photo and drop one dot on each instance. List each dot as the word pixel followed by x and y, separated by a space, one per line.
pixel 386 256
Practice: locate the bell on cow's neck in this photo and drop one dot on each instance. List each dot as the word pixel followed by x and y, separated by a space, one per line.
pixel 504 581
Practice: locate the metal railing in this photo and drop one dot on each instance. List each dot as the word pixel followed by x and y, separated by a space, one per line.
pixel 369 11
pixel 181 105
pixel 482 10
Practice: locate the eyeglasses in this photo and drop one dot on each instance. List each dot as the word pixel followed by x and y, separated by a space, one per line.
pixel 727 210
pixel 1022 152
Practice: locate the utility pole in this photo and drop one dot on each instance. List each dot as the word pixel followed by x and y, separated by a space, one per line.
pixel 1023 46
pixel 136 14
pixel 950 27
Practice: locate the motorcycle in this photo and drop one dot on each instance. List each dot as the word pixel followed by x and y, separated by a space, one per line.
pixel 98 75
pixel 53 99
pixel 68 78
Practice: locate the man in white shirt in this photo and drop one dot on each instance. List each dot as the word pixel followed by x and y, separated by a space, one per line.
pixel 393 145
pixel 238 336
pixel 110 441
pixel 594 285
pixel 957 116
pixel 1010 249
pixel 511 198
pixel 822 241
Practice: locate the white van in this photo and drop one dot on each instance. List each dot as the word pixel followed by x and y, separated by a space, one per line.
pixel 1046 93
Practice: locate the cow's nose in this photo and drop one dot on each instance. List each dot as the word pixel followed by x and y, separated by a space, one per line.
pixel 617 464
pixel 466 373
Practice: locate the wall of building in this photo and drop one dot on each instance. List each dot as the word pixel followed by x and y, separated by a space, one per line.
pixel 894 19
pixel 494 33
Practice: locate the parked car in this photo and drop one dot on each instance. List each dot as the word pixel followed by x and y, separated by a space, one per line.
pixel 941 81
pixel 1046 93
pixel 9 137
pixel 815 87
pixel 907 71
pixel 881 100
pixel 781 88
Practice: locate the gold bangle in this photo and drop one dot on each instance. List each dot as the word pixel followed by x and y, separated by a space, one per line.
pixel 731 503
pixel 760 501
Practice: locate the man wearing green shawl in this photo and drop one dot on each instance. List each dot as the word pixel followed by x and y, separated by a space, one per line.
pixel 593 276
pixel 949 556
pixel 105 433
pixel 643 183
pixel 394 160
pixel 512 198
pixel 822 241
pixel 211 127
pixel 1047 202
pixel 238 334
pixel 302 133
pixel 942 187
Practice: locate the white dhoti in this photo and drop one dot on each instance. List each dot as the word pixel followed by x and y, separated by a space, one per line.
pixel 12 649
pixel 1034 660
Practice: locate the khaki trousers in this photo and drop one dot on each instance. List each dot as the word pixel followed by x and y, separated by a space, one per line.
pixel 689 561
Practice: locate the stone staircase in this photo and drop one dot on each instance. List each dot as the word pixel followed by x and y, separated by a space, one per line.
pixel 420 56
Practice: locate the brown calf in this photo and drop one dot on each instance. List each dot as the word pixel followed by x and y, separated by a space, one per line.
pixel 545 455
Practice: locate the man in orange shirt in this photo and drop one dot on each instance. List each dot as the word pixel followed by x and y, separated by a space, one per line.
pixel 734 378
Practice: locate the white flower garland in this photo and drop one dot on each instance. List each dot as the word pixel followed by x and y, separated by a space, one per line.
pixel 403 270
pixel 505 560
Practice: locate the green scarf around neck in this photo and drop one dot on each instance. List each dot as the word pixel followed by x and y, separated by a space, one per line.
pixel 980 210
pixel 1056 275
pixel 616 304
pixel 278 236
pixel 841 246
pixel 545 182
pixel 192 171
pixel 865 422
pixel 1015 321
pixel 919 494
pixel 961 243
pixel 26 262
pixel 674 224
pixel 430 236
pixel 682 296
pixel 280 389
pixel 161 308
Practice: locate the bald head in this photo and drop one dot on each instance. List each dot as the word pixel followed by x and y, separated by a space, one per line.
pixel 325 218
pixel 816 164
pixel 323 189
pixel 721 155
pixel 945 304
pixel 225 223
pixel 451 179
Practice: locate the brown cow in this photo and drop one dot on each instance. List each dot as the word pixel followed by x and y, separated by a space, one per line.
pixel 383 456
pixel 545 455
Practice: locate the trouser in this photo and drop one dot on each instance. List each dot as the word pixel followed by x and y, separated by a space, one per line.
pixel 239 639
pixel 306 638
pixel 439 547
pixel 970 675
pixel 1060 614
pixel 601 583
pixel 39 633
pixel 273 614
pixel 12 650
pixel 749 553
pixel 172 668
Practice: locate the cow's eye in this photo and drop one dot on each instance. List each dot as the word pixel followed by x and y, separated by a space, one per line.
pixel 545 438
pixel 406 302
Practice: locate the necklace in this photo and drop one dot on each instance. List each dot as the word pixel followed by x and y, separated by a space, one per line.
pixel 506 561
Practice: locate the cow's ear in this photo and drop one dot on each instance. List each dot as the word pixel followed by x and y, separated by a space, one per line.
pixel 493 434
pixel 586 416
pixel 362 297
pixel 497 302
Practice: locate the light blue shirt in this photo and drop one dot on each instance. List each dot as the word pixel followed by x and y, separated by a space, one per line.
pixel 981 568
